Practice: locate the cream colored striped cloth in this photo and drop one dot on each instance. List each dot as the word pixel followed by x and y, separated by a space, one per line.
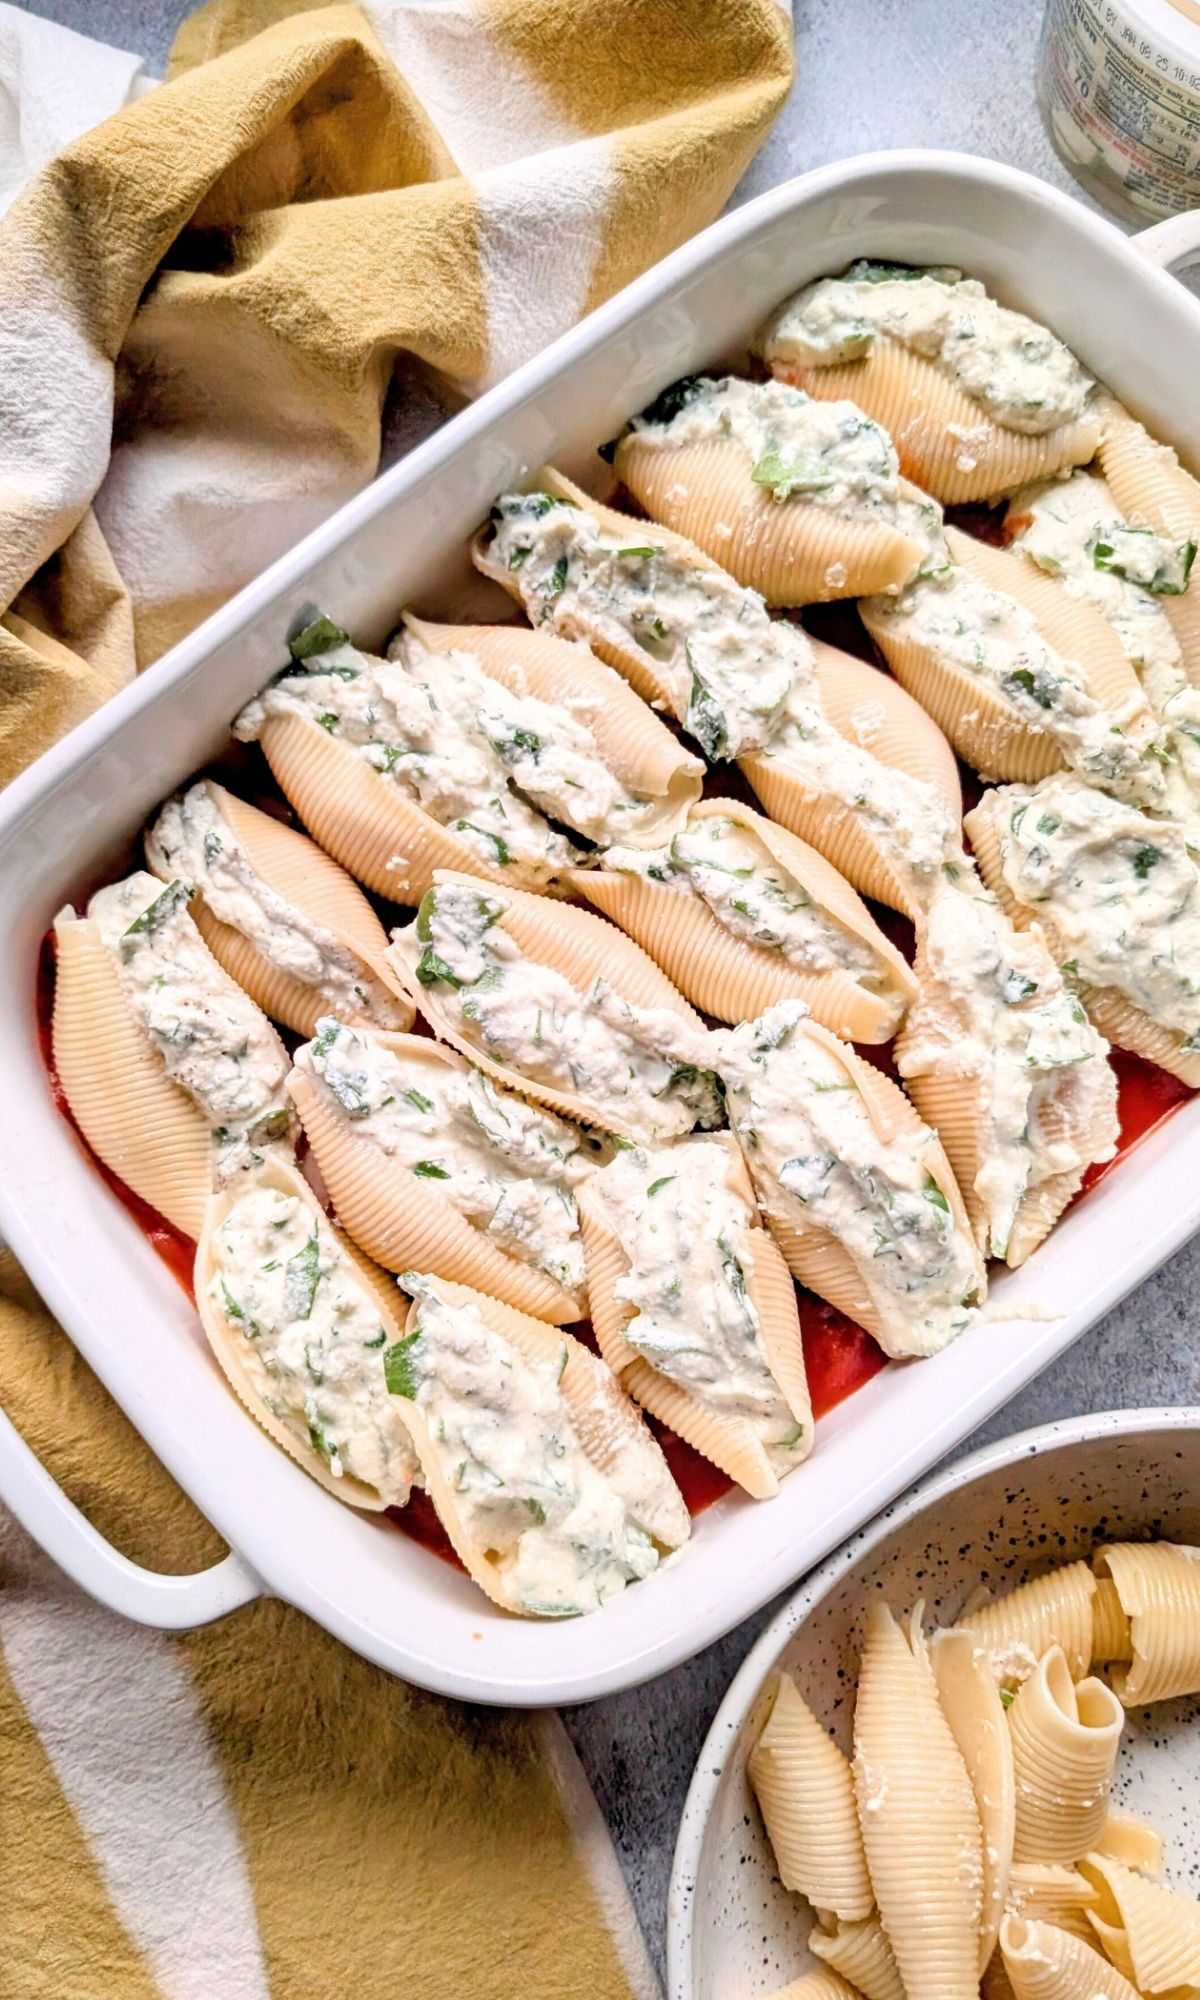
pixel 201 301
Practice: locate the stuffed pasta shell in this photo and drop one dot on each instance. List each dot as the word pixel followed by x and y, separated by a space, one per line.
pixel 998 1054
pixel 693 1306
pixel 1117 895
pixel 283 919
pixel 427 760
pixel 431 1166
pixel 856 1188
pixel 300 1323
pixel 977 398
pixel 799 499
pixel 550 1487
pixel 1152 489
pixel 173 1075
pixel 739 913
pixel 1022 678
pixel 837 752
pixel 555 1003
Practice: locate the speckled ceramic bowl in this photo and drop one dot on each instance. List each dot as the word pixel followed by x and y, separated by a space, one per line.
pixel 1004 1514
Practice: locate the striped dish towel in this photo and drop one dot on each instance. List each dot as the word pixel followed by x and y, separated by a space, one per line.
pixel 201 304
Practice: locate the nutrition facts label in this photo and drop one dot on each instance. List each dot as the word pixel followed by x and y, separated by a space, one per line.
pixel 1122 108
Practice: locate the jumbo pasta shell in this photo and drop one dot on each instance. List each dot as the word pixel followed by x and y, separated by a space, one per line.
pixel 383 838
pixel 727 1442
pixel 1119 1021
pixel 639 749
pixel 814 1256
pixel 608 1427
pixel 627 659
pixel 1151 487
pixel 287 1179
pixel 402 1222
pixel 793 551
pixel 946 442
pixel 971 1704
pixel 872 711
pixel 734 979
pixel 576 943
pixel 143 1126
pixel 308 878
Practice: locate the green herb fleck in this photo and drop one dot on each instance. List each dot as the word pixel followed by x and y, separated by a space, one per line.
pixel 400 1372
pixel 321 636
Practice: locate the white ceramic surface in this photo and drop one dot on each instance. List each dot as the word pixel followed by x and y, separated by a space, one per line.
pixel 1006 1513
pixel 402 541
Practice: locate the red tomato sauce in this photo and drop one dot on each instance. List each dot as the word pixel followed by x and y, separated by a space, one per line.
pixel 839 1356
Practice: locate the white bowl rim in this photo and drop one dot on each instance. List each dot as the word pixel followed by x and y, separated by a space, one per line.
pixel 1036 1442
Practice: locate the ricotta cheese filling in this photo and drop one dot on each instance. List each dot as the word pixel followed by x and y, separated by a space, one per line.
pixel 643 1069
pixel 495 767
pixel 739 680
pixel 191 841
pixel 1016 370
pixel 988 635
pixel 831 454
pixel 311 1337
pixel 1120 891
pixel 817 1160
pixel 526 1495
pixel 751 895
pixel 507 1167
pixel 1072 529
pixel 728 667
pixel 687 1239
pixel 214 1042
pixel 994 1010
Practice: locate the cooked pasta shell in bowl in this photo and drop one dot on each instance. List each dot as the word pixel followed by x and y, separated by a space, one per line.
pixel 694 1309
pixel 688 637
pixel 739 913
pixel 801 500
pixel 173 1075
pixel 421 761
pixel 1102 879
pixel 977 398
pixel 555 1003
pixel 1152 488
pixel 998 1055
pixel 855 1186
pixel 300 1321
pixel 283 918
pixel 644 780
pixel 552 1490
pixel 430 1166
pixel 1022 677
pixel 867 779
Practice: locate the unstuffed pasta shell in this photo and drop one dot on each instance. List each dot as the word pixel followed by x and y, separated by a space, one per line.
pixel 276 911
pixel 557 1004
pixel 694 1309
pixel 739 913
pixel 171 1072
pixel 547 1481
pixel 299 1321
pixel 969 415
pixel 430 1167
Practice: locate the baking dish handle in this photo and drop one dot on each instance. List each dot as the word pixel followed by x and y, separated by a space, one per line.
pixel 1174 245
pixel 172 1603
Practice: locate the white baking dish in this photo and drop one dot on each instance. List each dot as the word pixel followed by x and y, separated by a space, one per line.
pixel 731 1927
pixel 402 542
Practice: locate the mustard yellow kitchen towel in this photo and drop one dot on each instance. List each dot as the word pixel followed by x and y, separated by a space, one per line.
pixel 201 302
pixel 202 299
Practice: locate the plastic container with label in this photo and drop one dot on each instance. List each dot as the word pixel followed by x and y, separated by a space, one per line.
pixel 1118 84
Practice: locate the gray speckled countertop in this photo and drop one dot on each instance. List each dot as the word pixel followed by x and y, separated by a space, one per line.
pixel 872 73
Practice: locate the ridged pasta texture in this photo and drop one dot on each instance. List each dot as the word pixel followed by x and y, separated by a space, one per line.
pixel 1050 1610
pixel 861 1955
pixel 1151 1932
pixel 1158 1584
pixel 1064 1741
pixel 1046 1963
pixel 917 1810
pixel 805 1791
pixel 972 1706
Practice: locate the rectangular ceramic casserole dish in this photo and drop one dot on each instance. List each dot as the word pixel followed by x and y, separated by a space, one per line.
pixel 401 542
